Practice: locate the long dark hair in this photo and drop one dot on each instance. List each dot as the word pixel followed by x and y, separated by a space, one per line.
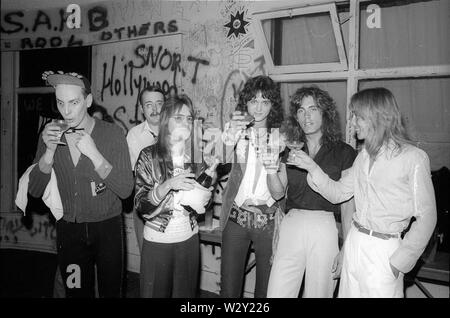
pixel 379 107
pixel 330 119
pixel 270 90
pixel 171 106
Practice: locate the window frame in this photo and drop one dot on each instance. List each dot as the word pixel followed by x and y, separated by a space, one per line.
pixel 301 11
pixel 8 159
pixel 353 74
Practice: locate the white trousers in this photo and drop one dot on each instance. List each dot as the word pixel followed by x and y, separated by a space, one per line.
pixel 308 244
pixel 366 271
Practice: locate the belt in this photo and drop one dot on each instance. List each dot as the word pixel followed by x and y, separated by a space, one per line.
pixel 382 236
pixel 263 208
pixel 250 219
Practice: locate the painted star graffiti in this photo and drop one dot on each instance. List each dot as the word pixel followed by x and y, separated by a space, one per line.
pixel 237 24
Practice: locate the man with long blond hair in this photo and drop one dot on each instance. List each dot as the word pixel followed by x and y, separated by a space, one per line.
pixel 391 183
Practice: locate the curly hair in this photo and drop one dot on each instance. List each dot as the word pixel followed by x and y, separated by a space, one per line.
pixel 270 90
pixel 330 120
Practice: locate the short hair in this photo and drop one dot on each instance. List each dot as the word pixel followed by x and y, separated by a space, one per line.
pixel 270 90
pixel 330 119
pixel 171 106
pixel 379 107
pixel 149 89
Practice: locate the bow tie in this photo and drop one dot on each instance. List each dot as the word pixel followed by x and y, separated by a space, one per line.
pixel 72 130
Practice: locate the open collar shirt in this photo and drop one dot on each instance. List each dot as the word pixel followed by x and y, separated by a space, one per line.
pixel 138 138
pixel 396 188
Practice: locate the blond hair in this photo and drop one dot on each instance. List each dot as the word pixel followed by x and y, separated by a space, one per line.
pixel 379 107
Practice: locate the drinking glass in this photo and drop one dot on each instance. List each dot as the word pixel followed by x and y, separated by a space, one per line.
pixel 294 146
pixel 270 154
pixel 247 118
pixel 63 127
pixel 268 148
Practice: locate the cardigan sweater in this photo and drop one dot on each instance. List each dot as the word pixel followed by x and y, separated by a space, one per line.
pixel 77 184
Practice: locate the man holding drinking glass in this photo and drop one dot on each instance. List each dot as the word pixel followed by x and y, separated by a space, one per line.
pixel 250 208
pixel 308 242
pixel 93 174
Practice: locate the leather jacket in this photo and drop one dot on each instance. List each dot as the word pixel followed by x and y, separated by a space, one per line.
pixel 152 170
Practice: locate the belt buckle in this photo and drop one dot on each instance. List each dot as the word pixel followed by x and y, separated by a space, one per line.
pixel 362 229
pixel 383 236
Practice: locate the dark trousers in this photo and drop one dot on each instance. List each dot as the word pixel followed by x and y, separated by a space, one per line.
pixel 236 242
pixel 81 246
pixel 170 269
pixel 139 229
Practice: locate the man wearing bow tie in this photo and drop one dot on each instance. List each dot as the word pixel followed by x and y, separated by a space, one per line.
pixel 91 163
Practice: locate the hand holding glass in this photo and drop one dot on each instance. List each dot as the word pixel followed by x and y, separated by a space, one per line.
pixel 63 127
pixel 247 118
pixel 294 148
pixel 269 153
pixel 241 119
pixel 270 159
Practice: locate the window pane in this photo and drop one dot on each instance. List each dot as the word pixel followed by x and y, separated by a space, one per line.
pixel 32 109
pixel 424 106
pixel 305 39
pixel 409 33
pixel 34 62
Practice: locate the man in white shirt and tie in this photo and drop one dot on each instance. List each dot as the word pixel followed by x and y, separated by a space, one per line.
pixel 151 99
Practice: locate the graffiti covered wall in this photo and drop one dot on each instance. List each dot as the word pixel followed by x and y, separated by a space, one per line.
pixel 209 58
pixel 13 233
pixel 215 49
pixel 205 49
